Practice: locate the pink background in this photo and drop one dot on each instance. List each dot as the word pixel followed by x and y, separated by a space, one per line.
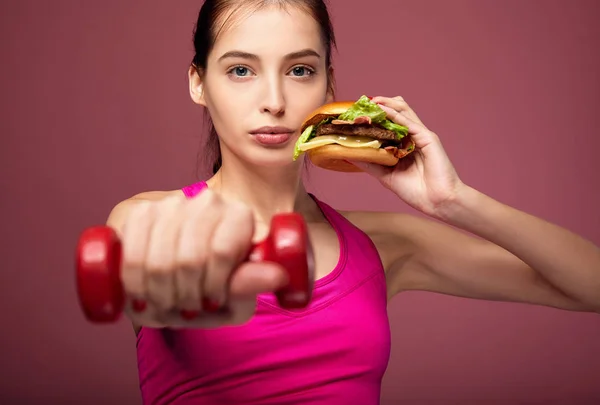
pixel 96 108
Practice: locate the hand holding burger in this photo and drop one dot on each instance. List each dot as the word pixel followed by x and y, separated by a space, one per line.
pixel 353 137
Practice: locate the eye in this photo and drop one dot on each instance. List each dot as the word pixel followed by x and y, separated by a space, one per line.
pixel 298 71
pixel 239 71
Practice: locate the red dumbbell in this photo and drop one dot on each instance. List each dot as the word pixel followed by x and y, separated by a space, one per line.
pixel 98 266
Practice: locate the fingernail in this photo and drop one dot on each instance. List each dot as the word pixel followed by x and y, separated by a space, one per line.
pixel 210 305
pixel 138 305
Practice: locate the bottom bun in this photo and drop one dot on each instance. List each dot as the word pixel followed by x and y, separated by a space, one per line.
pixel 332 157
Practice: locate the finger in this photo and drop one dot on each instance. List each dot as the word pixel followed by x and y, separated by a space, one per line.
pixel 230 244
pixel 378 171
pixel 418 133
pixel 399 104
pixel 251 279
pixel 160 259
pixel 400 118
pixel 135 235
pixel 202 216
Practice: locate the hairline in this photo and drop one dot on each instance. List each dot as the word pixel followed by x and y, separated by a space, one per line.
pixel 250 6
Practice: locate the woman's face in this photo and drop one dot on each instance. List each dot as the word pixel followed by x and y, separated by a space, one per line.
pixel 266 70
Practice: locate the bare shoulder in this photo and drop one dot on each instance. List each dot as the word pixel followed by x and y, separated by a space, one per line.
pixel 389 231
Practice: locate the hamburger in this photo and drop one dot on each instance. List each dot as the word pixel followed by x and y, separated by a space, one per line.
pixel 352 130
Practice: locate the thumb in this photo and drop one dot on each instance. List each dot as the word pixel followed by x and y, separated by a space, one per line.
pixel 251 279
pixel 380 172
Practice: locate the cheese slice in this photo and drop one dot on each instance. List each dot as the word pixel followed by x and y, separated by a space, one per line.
pixel 348 141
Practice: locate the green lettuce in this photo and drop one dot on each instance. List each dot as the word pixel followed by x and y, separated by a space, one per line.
pixel 305 137
pixel 365 107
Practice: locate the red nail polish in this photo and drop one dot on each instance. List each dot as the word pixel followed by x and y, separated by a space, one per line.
pixel 138 305
pixel 209 305
pixel 189 314
pixel 370 98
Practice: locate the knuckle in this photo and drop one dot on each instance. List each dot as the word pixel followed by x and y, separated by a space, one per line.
pixel 209 198
pixel 163 215
pixel 397 115
pixel 133 253
pixel 207 204
pixel 132 284
pixel 191 252
pixel 168 208
pixel 189 275
pixel 191 263
pixel 141 207
pixel 227 247
pixel 159 268
pixel 223 250
pixel 133 258
pixel 172 200
pixel 240 212
pixel 132 265
pixel 139 215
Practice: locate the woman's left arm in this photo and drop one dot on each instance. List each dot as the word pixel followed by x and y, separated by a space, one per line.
pixel 567 261
pixel 519 257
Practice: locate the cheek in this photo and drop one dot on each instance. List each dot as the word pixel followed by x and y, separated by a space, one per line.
pixel 307 99
pixel 226 109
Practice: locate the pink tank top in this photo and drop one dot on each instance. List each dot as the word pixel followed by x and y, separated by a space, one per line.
pixel 333 352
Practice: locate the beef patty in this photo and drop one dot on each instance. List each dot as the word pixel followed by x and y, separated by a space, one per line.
pixel 371 131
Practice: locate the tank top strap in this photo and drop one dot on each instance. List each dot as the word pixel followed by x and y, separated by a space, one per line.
pixel 337 220
pixel 194 189
pixel 358 264
pixel 359 256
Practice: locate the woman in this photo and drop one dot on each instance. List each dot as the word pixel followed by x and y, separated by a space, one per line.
pixel 267 64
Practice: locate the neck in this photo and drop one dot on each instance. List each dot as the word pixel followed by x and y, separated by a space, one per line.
pixel 265 190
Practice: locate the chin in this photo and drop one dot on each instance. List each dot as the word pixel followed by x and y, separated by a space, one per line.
pixel 272 158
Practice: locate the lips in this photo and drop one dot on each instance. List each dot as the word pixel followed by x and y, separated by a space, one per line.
pixel 272 130
pixel 272 135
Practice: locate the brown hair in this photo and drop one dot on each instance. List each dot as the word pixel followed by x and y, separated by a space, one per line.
pixel 206 31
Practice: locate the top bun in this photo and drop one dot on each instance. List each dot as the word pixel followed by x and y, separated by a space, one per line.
pixel 326 111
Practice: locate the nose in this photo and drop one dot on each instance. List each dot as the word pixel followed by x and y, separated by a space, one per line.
pixel 273 100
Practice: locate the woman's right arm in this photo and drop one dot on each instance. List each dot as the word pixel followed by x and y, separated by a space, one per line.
pixel 179 250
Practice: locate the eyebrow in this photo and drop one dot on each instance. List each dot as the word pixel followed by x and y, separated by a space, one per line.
pixel 246 55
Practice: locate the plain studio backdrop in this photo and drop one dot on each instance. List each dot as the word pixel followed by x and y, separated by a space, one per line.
pixel 95 108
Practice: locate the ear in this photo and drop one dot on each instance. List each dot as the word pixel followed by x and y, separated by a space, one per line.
pixel 331 87
pixel 196 89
